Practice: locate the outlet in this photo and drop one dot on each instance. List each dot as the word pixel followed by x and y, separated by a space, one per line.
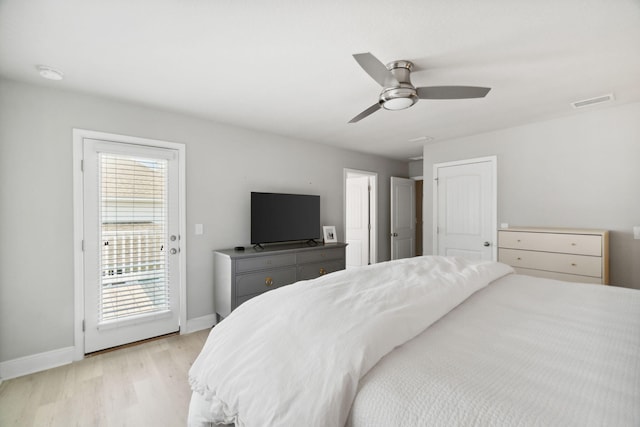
pixel 636 232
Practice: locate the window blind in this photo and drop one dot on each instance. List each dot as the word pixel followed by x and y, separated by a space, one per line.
pixel 133 231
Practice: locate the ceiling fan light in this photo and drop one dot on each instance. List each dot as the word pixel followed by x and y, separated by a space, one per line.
pixel 398 103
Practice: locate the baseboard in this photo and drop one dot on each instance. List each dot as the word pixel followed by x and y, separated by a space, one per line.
pixel 200 323
pixel 35 363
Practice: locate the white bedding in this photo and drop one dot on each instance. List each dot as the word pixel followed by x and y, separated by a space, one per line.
pixel 295 355
pixel 522 352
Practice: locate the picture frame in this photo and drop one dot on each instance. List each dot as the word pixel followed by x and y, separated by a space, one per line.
pixel 329 234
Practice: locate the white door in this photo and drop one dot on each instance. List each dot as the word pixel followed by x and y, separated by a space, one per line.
pixel 465 208
pixel 131 243
pixel 403 218
pixel 357 221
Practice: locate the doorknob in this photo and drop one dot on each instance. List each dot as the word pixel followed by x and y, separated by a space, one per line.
pixel 173 251
pixel 486 244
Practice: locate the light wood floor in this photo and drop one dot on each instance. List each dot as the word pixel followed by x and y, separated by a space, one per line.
pixel 143 385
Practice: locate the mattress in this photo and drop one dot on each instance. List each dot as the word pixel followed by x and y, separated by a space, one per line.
pixel 515 350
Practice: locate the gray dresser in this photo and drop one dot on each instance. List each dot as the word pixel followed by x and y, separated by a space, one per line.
pixel 242 275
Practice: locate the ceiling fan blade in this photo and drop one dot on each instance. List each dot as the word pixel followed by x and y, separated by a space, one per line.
pixel 375 107
pixel 452 92
pixel 376 69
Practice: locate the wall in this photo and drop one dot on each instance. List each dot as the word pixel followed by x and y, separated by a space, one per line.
pixel 224 164
pixel 578 171
pixel 416 168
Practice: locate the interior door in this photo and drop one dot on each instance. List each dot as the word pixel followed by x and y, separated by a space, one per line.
pixel 131 243
pixel 358 206
pixel 403 218
pixel 465 208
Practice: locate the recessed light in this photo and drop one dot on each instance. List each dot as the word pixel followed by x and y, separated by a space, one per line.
pixel 49 73
pixel 416 158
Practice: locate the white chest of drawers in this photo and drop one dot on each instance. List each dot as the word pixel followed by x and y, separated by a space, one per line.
pixel 575 255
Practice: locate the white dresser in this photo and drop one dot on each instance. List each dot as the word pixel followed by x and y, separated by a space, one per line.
pixel 574 255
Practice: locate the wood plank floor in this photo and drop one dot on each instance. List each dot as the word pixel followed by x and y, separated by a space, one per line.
pixel 143 385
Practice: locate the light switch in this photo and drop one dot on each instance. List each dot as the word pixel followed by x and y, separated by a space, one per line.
pixel 636 232
pixel 199 229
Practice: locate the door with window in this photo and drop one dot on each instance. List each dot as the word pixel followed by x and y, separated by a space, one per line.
pixel 131 243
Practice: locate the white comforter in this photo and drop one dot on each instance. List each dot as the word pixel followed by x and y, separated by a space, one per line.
pixel 295 355
pixel 524 351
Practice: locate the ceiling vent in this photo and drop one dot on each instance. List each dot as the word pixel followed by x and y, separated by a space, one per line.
pixel 593 101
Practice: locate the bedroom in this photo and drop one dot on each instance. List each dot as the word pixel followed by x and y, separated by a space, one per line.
pixel 572 168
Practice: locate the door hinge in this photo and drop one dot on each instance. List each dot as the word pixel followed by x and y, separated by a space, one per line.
pixel 436 179
pixel 82 245
pixel 82 165
pixel 82 325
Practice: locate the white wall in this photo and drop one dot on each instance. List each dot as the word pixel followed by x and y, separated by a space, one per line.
pixel 224 164
pixel 581 171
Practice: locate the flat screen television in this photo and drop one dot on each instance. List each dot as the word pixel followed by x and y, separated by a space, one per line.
pixel 277 217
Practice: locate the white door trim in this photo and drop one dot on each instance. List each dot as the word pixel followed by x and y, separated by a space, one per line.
pixel 373 238
pixel 494 203
pixel 78 225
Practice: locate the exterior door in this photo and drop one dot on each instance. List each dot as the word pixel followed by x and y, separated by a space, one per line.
pixel 465 208
pixel 403 218
pixel 358 206
pixel 131 243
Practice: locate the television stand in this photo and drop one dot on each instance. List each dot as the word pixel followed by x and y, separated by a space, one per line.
pixel 242 275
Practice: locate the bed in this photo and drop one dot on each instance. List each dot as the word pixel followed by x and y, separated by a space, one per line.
pixel 424 341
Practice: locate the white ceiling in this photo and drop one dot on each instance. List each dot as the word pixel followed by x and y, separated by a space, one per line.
pixel 285 66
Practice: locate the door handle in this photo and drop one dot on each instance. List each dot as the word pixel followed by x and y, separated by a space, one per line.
pixel 394 234
pixel 486 244
pixel 173 251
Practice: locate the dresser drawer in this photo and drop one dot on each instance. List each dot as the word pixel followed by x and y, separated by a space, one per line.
pixel 317 269
pixel 561 263
pixel 559 276
pixel 579 244
pixel 262 281
pixel 271 261
pixel 315 256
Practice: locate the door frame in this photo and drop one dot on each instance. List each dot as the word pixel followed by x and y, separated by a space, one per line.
pixel 373 209
pixel 493 160
pixel 78 224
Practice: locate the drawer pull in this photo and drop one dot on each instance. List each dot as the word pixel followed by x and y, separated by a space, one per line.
pixel 268 281
pixel 573 244
pixel 519 259
pixel 573 264
pixel 322 271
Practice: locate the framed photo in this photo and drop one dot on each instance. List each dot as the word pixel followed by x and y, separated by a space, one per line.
pixel 329 232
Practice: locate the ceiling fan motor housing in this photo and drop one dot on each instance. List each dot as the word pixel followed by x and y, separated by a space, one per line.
pixel 404 94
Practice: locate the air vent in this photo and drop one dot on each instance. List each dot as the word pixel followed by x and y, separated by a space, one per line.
pixel 593 101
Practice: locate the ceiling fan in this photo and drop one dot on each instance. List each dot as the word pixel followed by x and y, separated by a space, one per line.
pixel 398 93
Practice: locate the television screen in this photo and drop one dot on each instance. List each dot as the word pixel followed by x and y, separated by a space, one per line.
pixel 279 217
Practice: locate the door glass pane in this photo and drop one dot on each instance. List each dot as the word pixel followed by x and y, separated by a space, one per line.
pixel 133 237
